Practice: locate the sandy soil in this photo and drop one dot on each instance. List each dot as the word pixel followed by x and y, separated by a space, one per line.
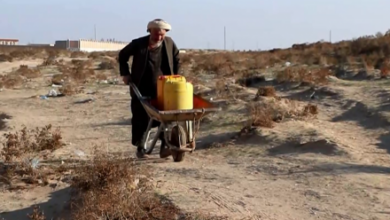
pixel 332 166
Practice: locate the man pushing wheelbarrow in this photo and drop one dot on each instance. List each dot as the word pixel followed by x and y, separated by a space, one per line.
pixel 156 55
pixel 153 55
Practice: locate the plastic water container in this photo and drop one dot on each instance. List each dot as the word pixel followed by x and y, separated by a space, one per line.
pixel 160 88
pixel 178 95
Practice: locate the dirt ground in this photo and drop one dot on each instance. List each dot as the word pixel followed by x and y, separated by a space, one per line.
pixel 331 166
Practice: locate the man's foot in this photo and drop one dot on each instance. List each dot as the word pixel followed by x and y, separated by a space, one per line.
pixel 141 153
pixel 164 151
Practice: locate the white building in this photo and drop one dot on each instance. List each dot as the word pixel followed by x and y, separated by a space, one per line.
pixel 90 45
pixel 9 42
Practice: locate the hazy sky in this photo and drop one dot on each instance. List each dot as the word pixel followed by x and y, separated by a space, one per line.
pixel 249 24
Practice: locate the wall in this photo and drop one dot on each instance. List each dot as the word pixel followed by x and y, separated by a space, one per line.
pixel 91 45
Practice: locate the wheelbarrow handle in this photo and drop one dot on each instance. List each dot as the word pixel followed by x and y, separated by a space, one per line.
pixel 135 89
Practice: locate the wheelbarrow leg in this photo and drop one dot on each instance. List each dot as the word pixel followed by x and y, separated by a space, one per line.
pixel 145 138
pixel 155 139
pixel 190 125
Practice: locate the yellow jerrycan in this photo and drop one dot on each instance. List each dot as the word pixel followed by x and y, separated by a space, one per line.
pixel 160 88
pixel 178 95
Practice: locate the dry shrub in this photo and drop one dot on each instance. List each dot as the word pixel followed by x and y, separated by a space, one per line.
pixel 266 91
pixel 24 53
pixel 221 88
pixel 101 76
pixel 28 72
pixel 185 59
pixel 80 72
pixel 37 214
pixel 107 65
pixel 303 75
pixel 49 61
pixel 81 75
pixel 113 189
pixel 82 63
pixel 11 81
pixel 18 150
pixel 373 49
pixel 264 114
pixel 310 109
pixel 225 90
pixel 219 63
pixel 78 54
pixel 261 116
pixel 95 55
pixel 58 79
pixel 29 141
pixel 5 58
pixel 69 89
pixel 384 70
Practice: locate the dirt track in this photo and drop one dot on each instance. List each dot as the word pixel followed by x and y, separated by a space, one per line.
pixel 331 166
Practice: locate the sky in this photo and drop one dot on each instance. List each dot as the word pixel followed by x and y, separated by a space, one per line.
pixel 250 24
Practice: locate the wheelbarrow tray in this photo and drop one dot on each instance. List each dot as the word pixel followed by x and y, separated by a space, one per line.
pixel 201 108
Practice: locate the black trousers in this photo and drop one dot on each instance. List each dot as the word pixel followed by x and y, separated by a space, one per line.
pixel 140 121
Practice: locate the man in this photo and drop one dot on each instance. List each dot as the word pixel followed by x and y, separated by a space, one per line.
pixel 153 55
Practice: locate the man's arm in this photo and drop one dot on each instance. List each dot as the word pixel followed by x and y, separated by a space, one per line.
pixel 124 56
pixel 176 59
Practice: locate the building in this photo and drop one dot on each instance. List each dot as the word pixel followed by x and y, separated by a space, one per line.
pixel 40 45
pixel 90 45
pixel 9 42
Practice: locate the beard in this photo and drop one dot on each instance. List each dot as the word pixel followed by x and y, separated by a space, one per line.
pixel 155 43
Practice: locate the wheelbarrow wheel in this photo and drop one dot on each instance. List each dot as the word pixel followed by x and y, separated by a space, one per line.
pixel 178 138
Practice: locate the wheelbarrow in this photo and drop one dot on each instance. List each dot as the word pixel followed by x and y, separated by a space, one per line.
pixel 179 126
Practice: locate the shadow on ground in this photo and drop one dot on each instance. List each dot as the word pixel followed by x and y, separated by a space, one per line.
pixel 318 147
pixel 3 116
pixel 367 118
pixel 125 122
pixel 332 169
pixel 208 140
pixel 314 94
pixel 384 142
pixel 52 208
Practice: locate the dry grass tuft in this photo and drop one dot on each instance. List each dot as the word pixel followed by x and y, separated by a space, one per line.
pixel 28 141
pixel 264 114
pixel 310 109
pixel 78 54
pixel 20 154
pixel 70 89
pixel 28 72
pixel 49 61
pixel 79 72
pixel 37 214
pixel 107 65
pixel 5 58
pixel 11 81
pixel 261 116
pixel 303 75
pixel 113 189
pixel 268 91
pixel 101 76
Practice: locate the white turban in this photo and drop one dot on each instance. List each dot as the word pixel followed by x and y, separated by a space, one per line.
pixel 158 23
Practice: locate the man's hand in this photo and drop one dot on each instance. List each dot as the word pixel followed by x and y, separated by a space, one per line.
pixel 126 80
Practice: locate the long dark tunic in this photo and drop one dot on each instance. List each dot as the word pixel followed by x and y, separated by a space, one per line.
pixel 156 66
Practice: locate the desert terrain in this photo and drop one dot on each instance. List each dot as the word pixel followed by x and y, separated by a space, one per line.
pixel 303 133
